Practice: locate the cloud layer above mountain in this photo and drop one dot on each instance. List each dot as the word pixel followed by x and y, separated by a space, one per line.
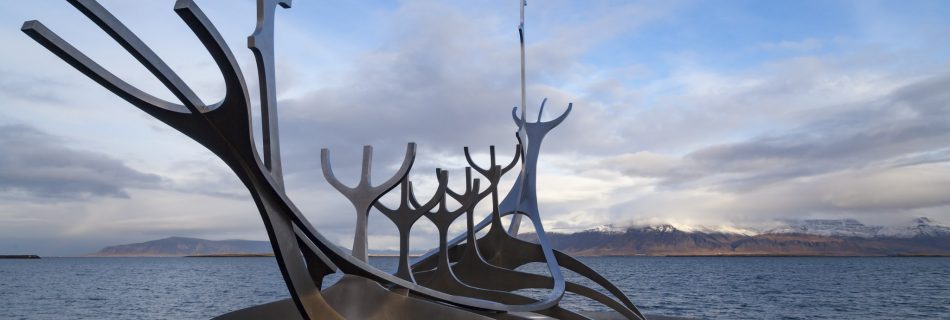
pixel 684 113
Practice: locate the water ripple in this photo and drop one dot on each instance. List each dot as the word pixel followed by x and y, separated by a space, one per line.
pixel 702 287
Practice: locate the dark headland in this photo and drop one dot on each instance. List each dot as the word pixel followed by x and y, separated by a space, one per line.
pixel 19 256
pixel 182 247
pixel 923 238
pixel 201 248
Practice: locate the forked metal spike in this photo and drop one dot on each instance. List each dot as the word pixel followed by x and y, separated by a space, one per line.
pixel 167 112
pixel 541 110
pixel 235 88
pixel 364 194
pixel 471 163
pixel 138 49
pixel 406 215
pixel 523 195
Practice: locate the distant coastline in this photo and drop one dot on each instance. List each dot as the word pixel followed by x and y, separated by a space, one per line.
pixel 19 256
pixel 770 255
pixel 183 246
pixel 231 255
pixel 812 238
pixel 202 248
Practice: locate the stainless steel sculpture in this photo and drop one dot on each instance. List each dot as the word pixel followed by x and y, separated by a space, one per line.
pixel 465 278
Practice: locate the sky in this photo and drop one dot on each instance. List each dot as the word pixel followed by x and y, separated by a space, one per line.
pixel 726 115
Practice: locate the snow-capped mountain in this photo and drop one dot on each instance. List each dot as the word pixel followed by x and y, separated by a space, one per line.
pixel 853 228
pixel 607 228
pixel 828 227
pixel 922 227
pixel 612 228
pixel 841 237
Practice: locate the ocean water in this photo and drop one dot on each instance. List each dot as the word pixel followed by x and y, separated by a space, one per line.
pixel 698 287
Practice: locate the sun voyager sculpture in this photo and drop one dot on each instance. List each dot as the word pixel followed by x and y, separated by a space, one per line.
pixel 467 277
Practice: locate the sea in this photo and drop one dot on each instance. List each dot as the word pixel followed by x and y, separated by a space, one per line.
pixel 692 287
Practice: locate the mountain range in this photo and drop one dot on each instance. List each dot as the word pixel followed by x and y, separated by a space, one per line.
pixel 182 246
pixel 852 228
pixel 828 237
pixel 845 237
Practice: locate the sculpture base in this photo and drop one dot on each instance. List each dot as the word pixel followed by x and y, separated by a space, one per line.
pixel 355 297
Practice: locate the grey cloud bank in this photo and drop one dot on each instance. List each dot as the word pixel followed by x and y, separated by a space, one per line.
pixel 844 134
pixel 43 167
pixel 880 161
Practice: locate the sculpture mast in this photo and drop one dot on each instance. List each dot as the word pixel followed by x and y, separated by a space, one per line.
pixel 524 3
pixel 522 134
pixel 261 43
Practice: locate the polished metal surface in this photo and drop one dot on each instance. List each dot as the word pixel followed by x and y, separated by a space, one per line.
pixel 470 280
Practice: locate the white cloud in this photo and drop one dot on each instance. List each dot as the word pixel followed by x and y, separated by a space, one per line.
pixel 850 132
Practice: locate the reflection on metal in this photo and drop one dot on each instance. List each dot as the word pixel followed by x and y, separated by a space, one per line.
pixel 467 277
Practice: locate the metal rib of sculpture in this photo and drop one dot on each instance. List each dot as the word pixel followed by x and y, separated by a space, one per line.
pixel 364 194
pixel 470 280
pixel 406 215
pixel 523 198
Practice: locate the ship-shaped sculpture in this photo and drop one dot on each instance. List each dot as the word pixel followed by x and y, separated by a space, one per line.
pixel 467 277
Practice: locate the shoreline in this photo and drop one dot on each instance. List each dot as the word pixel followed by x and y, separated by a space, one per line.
pixel 385 256
pixel 231 255
pixel 19 256
pixel 805 256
